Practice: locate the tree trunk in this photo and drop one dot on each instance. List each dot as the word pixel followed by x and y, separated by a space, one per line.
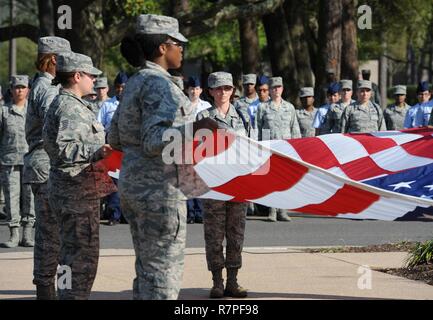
pixel 281 51
pixel 86 36
pixel 294 11
pixel 250 51
pixel 330 22
pixel 12 42
pixel 178 6
pixel 412 64
pixel 349 58
pixel 46 21
pixel 383 72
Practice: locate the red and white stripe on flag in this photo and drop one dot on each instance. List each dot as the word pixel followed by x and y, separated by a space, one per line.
pixel 319 175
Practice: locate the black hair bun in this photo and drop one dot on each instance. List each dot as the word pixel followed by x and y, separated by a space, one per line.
pixel 131 51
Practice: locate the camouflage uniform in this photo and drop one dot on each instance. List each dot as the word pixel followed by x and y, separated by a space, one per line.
pixel 305 119
pixel 13 146
pixel 96 106
pixel 224 219
pixel 152 201
pixel 362 118
pixel 77 181
pixel 150 195
pixel 2 198
pixel 394 116
pixel 273 123
pixel 36 169
pixel 2 201
pixel 333 118
pixel 280 120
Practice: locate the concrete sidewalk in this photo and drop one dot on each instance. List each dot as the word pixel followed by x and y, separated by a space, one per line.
pixel 268 273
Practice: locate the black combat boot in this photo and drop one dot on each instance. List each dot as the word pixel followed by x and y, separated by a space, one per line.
pixel 217 290
pixel 233 289
pixel 46 292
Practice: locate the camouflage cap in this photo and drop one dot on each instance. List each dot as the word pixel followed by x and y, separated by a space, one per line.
pixel 399 89
pixel 275 82
pixel 53 45
pixel 19 80
pixel 219 79
pixel 306 92
pixel 73 62
pixel 364 84
pixel 250 78
pixel 156 24
pixel 101 82
pixel 346 84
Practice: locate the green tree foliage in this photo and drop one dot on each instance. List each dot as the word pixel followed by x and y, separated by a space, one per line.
pixel 401 21
pixel 26 56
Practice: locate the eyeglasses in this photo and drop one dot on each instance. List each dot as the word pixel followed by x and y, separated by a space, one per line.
pixel 174 43
pixel 224 88
pixel 91 76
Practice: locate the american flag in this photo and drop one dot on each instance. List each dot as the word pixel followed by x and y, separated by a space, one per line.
pixel 383 175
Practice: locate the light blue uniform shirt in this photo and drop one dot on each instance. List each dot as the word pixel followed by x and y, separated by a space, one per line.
pixel 201 105
pixel 422 114
pixel 320 117
pixel 107 111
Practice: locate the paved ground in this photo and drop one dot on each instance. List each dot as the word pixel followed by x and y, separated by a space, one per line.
pixel 302 231
pixel 278 273
pixel 274 266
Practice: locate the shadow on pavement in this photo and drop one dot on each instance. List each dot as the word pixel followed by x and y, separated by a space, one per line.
pixel 203 294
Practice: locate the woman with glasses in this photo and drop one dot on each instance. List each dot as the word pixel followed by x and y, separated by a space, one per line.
pixel 153 109
pixel 224 219
pixel 75 142
pixel 362 115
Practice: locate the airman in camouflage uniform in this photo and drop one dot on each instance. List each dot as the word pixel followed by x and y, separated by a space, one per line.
pixel 362 115
pixel 13 146
pixel 307 113
pixel 395 114
pixel 276 119
pixel 152 201
pixel 250 102
pixel 224 219
pixel 74 141
pixel 336 110
pixel 36 167
pixel 101 87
